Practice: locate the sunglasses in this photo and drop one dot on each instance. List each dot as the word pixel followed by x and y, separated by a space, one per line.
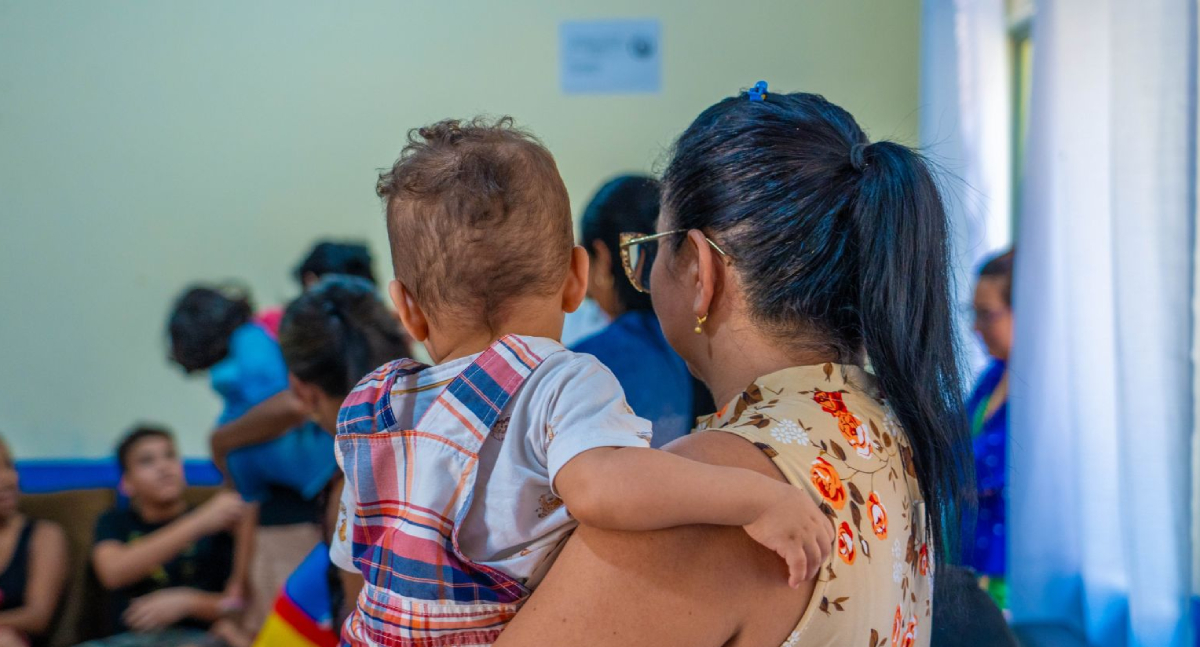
pixel 638 252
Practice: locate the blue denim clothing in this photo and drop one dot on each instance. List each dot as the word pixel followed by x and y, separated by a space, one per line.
pixel 984 550
pixel 656 380
pixel 302 459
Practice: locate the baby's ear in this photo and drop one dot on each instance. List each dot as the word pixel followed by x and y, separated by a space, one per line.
pixel 575 288
pixel 411 316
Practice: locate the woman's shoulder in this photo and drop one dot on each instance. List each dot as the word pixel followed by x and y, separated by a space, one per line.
pixel 47 535
pixel 828 431
pixel 812 411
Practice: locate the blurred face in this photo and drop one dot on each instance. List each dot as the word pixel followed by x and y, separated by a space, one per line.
pixel 993 317
pixel 673 293
pixel 153 472
pixel 319 406
pixel 8 484
pixel 601 285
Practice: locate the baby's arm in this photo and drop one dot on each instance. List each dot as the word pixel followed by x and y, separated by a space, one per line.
pixel 632 488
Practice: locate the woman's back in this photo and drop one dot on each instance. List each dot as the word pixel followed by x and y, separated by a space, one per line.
pixel 827 431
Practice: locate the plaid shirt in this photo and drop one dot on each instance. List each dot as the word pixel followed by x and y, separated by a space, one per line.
pixel 413 488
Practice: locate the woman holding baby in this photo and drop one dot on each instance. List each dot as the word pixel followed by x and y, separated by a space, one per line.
pixel 802 273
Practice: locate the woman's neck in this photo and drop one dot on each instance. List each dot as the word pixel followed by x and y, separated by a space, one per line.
pixel 739 357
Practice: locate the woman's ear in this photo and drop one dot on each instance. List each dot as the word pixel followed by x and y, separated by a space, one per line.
pixel 411 316
pixel 576 285
pixel 704 272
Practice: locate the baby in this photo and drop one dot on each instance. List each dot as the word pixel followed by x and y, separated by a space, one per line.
pixel 465 478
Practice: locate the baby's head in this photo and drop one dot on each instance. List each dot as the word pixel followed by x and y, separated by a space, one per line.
pixel 480 229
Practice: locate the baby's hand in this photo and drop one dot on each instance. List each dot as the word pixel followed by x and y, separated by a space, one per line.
pixel 795 528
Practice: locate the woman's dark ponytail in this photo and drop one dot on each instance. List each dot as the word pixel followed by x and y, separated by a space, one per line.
pixel 906 312
pixel 842 248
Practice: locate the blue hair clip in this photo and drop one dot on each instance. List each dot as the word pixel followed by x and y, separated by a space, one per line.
pixel 758 92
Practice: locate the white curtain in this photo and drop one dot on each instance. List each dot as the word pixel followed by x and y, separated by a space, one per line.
pixel 965 116
pixel 1101 378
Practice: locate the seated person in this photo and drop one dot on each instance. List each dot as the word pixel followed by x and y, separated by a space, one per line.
pixel 32 578
pixel 165 566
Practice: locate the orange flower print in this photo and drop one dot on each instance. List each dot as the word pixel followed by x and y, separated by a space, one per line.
pixel 897 627
pixel 831 402
pixel 845 543
pixel 910 633
pixel 878 515
pixel 923 559
pixel 851 427
pixel 828 483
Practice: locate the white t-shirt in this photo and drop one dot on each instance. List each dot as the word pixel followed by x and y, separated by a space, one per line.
pixel 570 404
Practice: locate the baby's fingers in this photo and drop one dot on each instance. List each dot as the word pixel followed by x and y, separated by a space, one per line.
pixel 798 562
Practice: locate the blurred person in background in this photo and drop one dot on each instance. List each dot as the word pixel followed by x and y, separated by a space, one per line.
pixel 987 410
pixel 213 329
pixel 332 335
pixel 330 257
pixel 166 567
pixel 34 567
pixel 655 378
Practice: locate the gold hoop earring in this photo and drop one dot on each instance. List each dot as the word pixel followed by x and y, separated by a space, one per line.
pixel 700 324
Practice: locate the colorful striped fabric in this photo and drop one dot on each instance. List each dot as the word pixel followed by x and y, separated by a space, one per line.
pixel 413 488
pixel 302 616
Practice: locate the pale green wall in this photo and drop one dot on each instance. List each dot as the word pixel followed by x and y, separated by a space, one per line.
pixel 144 145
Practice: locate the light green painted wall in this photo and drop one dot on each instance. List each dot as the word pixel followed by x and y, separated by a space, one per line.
pixel 147 144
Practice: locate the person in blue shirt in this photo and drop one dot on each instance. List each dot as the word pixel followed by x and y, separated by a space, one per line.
pixel 656 380
pixel 213 329
pixel 987 411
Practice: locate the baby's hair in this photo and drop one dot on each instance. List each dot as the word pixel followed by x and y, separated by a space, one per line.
pixel 477 216
pixel 202 322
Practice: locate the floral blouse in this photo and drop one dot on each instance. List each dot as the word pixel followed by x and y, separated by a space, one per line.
pixel 828 430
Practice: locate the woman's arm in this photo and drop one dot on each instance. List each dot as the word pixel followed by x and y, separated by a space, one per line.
pixel 245 537
pixel 695 585
pixel 43 588
pixel 266 421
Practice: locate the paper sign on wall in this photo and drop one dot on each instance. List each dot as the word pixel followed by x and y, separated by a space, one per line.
pixel 610 56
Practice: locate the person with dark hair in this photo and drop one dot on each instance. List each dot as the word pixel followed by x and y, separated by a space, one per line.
pixel 286 468
pixel 203 324
pixel 329 257
pixel 35 573
pixel 792 254
pixel 331 336
pixel 987 409
pixel 655 379
pixel 165 566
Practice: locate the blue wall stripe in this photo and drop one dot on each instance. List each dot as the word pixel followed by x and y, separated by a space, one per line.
pixel 58 474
